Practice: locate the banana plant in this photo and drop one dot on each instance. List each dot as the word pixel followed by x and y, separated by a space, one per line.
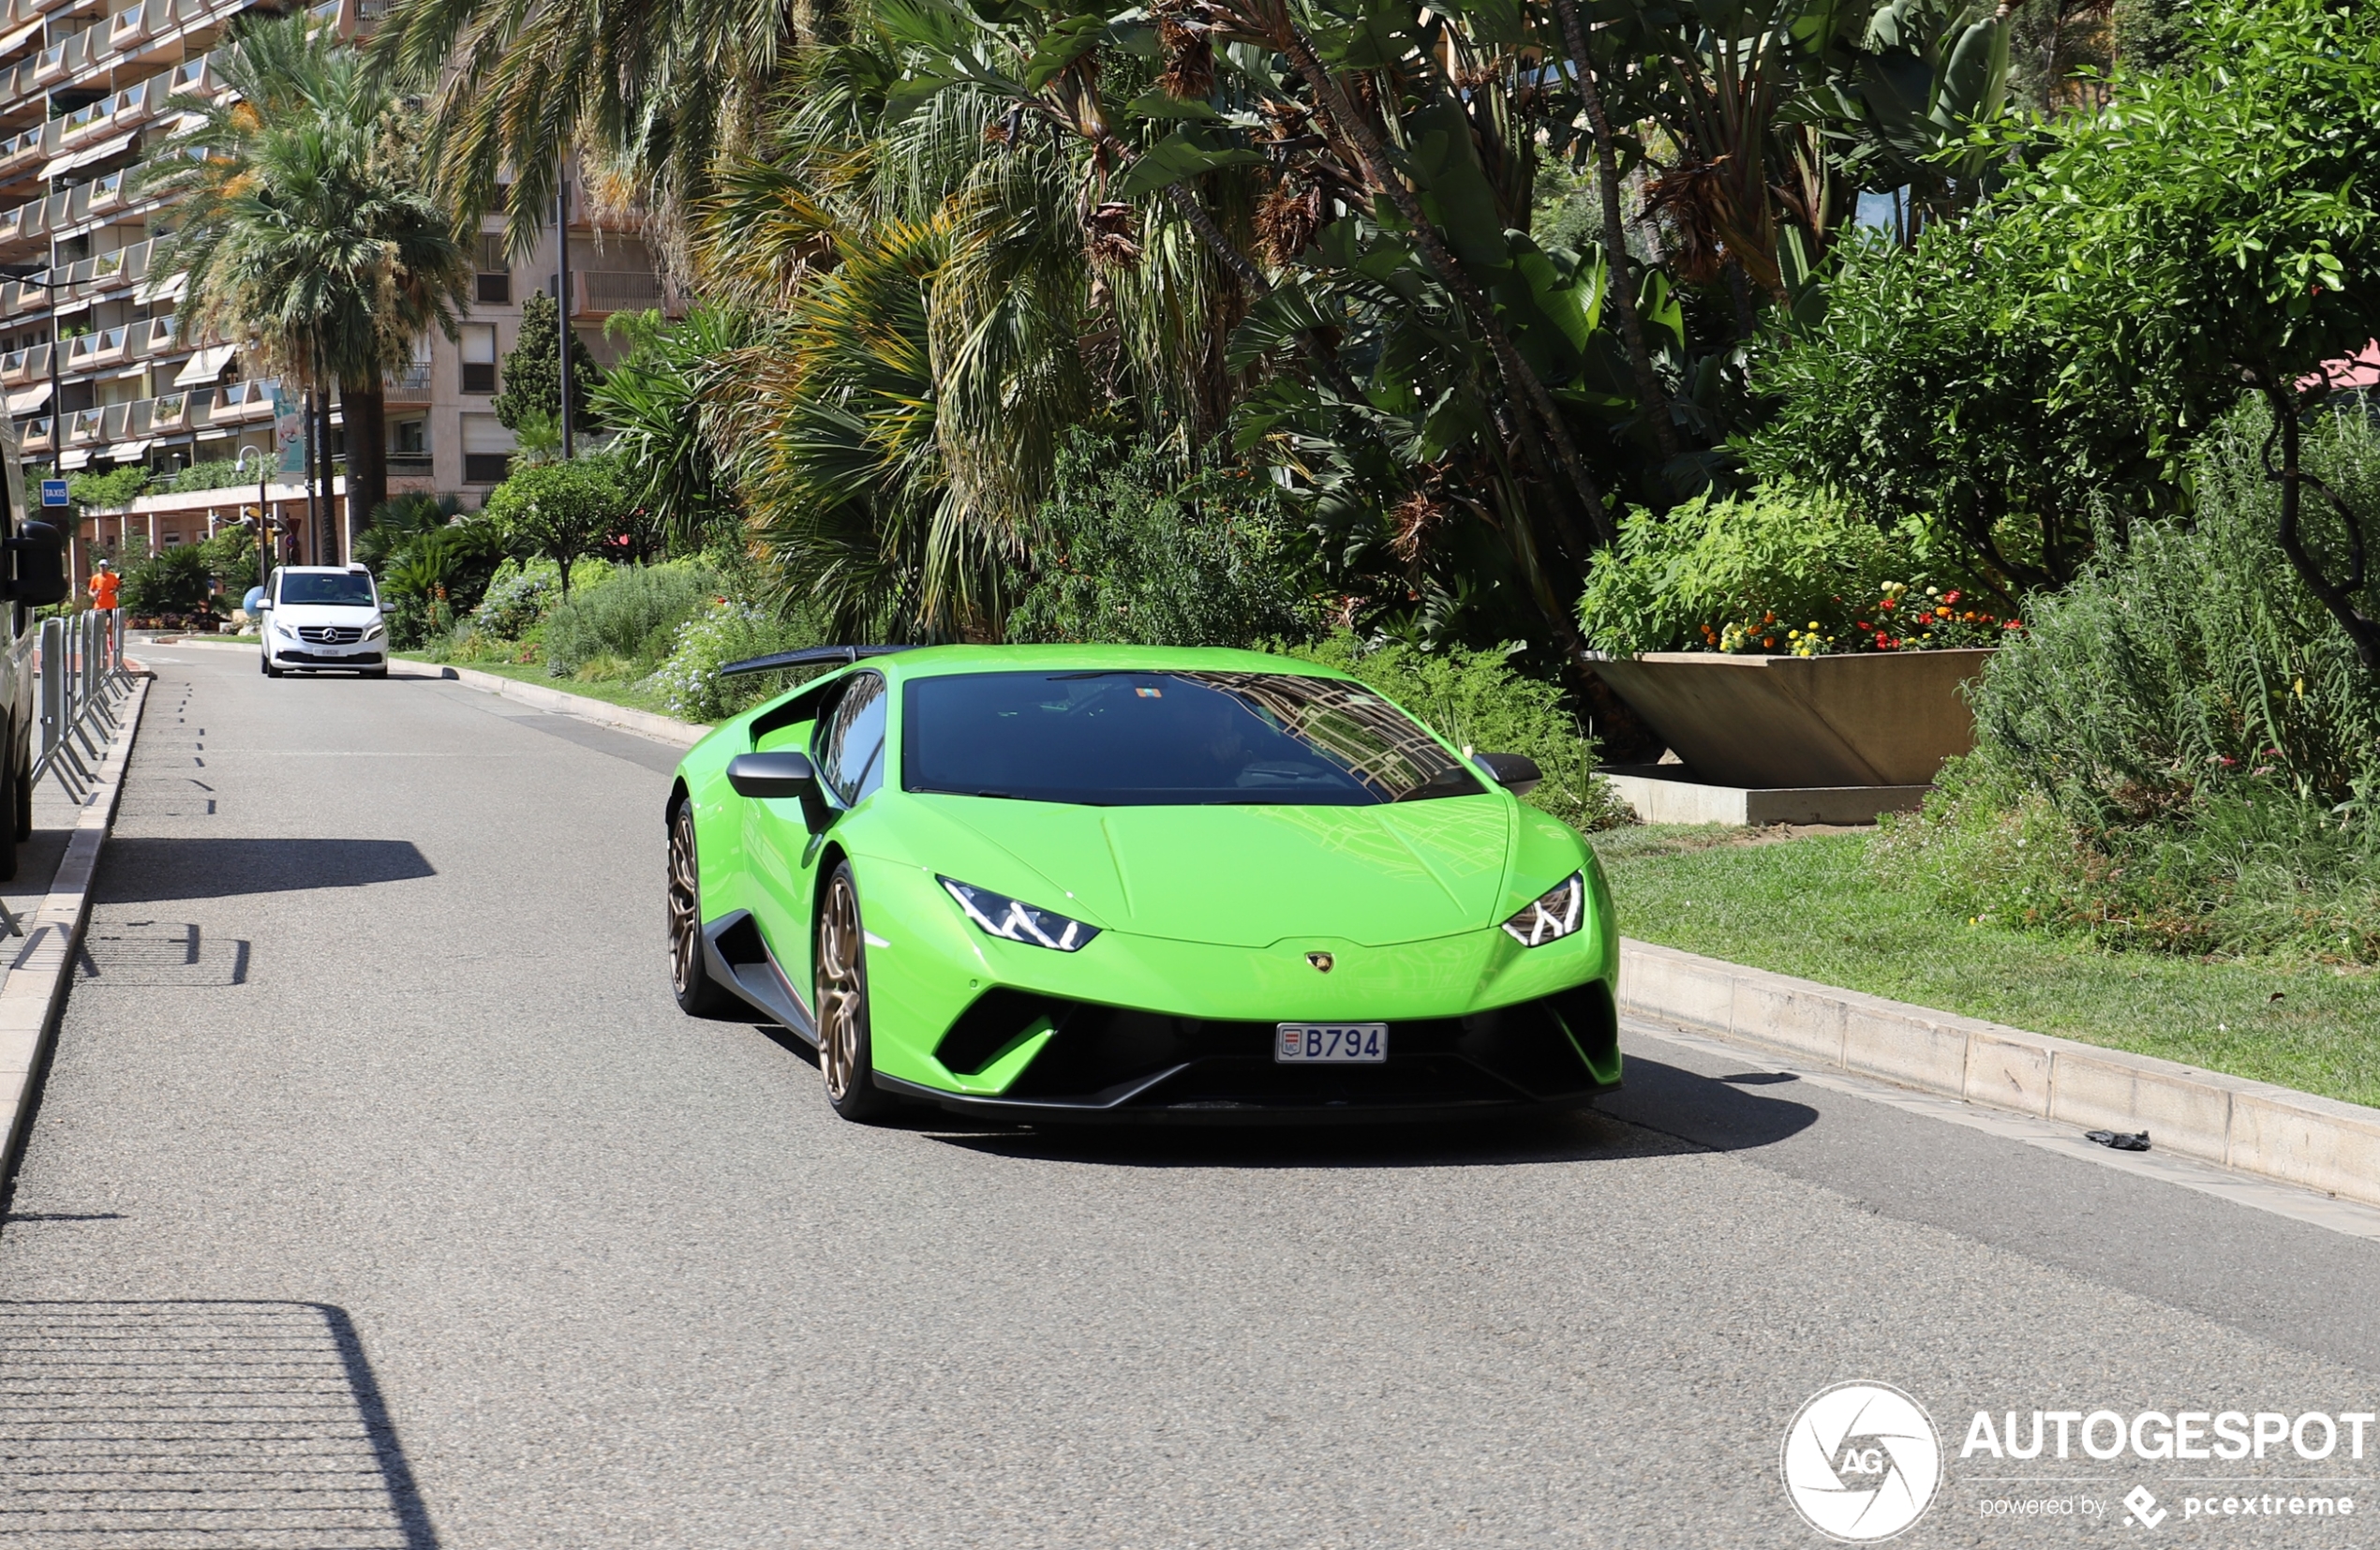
pixel 1923 76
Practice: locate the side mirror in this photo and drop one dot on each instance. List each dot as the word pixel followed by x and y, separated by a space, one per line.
pixel 36 572
pixel 763 775
pixel 1516 772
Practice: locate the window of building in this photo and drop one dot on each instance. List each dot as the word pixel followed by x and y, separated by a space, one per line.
pixel 495 280
pixel 487 449
pixel 409 437
pixel 479 357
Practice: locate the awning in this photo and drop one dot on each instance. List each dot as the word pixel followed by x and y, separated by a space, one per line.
pixel 205 366
pixel 124 452
pixel 213 436
pixel 16 39
pixel 25 400
pixel 125 375
pixel 167 290
pixel 73 458
pixel 59 166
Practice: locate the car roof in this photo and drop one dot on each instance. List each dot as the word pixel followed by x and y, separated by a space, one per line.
pixel 938 661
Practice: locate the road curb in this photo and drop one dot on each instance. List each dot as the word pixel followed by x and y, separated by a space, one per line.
pixel 2255 1126
pixel 585 706
pixel 35 992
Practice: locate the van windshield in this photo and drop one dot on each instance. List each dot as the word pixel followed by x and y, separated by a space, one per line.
pixel 334 588
pixel 1169 739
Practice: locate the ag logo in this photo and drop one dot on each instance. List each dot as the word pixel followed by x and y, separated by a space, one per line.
pixel 1321 962
pixel 1862 1462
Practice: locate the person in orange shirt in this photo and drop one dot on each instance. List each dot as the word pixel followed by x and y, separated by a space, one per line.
pixel 104 582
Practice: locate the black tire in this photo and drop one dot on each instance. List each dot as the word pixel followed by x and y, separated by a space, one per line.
pixel 376 672
pixel 846 1055
pixel 24 787
pixel 270 671
pixel 690 980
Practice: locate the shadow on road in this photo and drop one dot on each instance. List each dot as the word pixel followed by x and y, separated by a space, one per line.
pixel 150 869
pixel 199 1421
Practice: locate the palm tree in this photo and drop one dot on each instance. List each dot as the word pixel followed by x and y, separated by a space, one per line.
pixel 307 237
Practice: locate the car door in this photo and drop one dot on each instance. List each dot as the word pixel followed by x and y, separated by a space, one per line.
pixel 847 744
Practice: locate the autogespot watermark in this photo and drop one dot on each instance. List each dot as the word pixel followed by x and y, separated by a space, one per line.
pixel 1862 1462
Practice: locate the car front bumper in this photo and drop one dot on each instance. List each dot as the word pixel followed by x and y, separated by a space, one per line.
pixel 361 654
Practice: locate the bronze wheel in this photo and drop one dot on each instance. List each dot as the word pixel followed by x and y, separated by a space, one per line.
pixel 845 1058
pixel 690 980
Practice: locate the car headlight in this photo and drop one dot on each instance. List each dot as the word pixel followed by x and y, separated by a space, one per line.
pixel 1013 920
pixel 1553 915
pixel 284 630
pixel 376 632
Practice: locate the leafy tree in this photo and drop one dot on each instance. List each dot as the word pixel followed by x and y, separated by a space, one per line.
pixel 295 204
pixel 533 372
pixel 116 487
pixel 559 510
pixel 663 403
pixel 232 559
pixel 2214 227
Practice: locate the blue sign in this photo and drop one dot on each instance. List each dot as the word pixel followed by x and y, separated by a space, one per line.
pixel 53 492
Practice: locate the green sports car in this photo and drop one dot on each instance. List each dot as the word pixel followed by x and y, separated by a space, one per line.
pixel 1111 882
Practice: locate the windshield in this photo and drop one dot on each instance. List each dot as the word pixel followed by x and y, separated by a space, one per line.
pixel 1129 739
pixel 336 588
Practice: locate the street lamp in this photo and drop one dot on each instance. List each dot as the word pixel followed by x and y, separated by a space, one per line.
pixel 264 525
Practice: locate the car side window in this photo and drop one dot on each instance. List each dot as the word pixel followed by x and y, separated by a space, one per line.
pixel 850 740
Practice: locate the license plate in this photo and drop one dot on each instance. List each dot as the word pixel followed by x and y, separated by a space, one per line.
pixel 1332 1043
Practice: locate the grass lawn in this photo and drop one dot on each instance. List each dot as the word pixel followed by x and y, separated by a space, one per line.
pixel 627 694
pixel 1808 906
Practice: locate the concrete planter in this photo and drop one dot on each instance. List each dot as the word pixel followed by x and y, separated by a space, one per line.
pixel 1887 719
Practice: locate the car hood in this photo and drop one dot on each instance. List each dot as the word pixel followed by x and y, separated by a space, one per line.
pixel 1253 877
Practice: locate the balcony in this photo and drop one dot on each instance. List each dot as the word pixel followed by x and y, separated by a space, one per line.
pixel 91 351
pixel 157 337
pixel 33 435
pixel 407 387
pixel 20 366
pixel 25 223
pixel 242 402
pixel 21 150
pixel 195 76
pixel 599 294
pixel 130 27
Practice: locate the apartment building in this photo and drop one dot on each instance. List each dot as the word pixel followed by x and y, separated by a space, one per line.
pixel 83 92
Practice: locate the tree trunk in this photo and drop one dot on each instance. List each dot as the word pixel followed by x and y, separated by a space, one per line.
pixel 326 533
pixel 2362 629
pixel 1621 267
pixel 367 468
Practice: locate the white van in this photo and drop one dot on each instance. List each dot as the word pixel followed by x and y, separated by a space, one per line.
pixel 324 617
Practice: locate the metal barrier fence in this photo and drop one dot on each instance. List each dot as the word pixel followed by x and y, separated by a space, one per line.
pixel 82 678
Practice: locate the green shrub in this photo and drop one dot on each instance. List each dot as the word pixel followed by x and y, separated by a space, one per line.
pixel 2182 752
pixel 522 593
pixel 633 616
pixel 116 487
pixel 1134 548
pixel 689 684
pixel 215 473
pixel 1474 699
pixel 173 581
pixel 1782 571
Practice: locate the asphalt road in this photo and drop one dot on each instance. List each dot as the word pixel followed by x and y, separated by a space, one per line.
pixel 378 1196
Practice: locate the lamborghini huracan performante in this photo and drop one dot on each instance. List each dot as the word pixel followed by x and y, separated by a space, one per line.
pixel 1132 883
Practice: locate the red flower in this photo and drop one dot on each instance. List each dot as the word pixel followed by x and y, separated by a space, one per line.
pixel 1951 597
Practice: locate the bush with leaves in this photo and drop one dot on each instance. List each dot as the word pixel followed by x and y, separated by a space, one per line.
pixel 116 487
pixel 690 683
pixel 1475 699
pixel 1136 548
pixel 173 581
pixel 2183 751
pixel 214 474
pixel 232 560
pixel 533 372
pixel 1787 570
pixel 632 619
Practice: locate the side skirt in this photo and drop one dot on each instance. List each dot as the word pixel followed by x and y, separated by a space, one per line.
pixel 739 958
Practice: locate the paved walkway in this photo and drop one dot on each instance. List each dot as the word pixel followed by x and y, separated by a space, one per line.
pixel 381 1198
